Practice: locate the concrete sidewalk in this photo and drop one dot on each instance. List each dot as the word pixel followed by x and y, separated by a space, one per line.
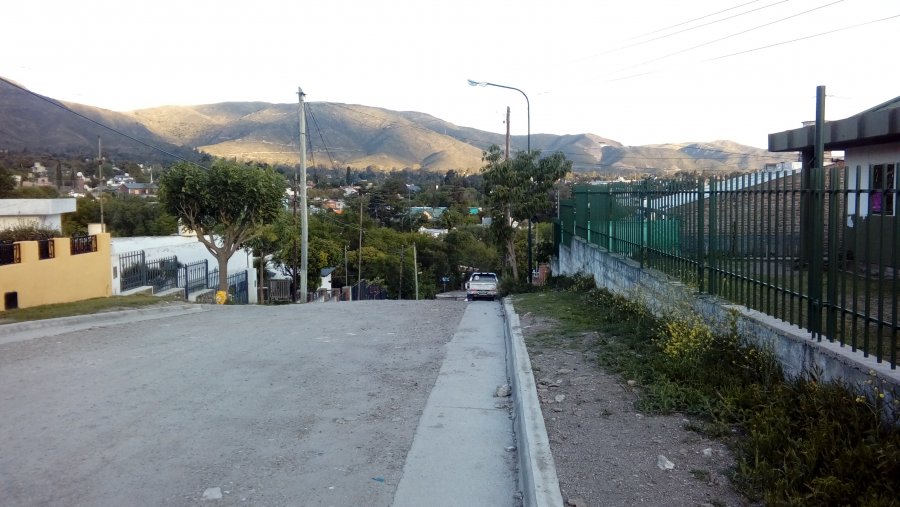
pixel 463 450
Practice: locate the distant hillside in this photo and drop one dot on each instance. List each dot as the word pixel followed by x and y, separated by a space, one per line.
pixel 338 134
pixel 34 124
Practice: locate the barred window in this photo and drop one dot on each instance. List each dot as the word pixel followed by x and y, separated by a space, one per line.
pixel 881 195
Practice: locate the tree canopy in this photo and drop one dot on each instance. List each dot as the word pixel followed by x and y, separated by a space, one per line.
pixel 518 189
pixel 225 204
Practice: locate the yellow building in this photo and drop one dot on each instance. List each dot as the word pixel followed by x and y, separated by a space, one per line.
pixel 60 270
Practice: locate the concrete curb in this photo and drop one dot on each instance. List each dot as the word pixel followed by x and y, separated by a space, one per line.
pixel 21 331
pixel 537 471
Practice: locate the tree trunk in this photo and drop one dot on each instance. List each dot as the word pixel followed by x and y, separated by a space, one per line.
pixel 511 247
pixel 222 257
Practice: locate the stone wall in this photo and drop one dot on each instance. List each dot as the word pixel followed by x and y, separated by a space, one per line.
pixel 796 350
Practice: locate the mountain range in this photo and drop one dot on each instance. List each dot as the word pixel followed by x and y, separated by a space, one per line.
pixel 339 135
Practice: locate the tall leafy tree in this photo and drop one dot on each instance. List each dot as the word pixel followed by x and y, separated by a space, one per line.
pixel 518 189
pixel 225 204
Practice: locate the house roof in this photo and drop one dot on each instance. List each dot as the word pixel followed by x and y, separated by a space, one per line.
pixel 877 125
pixel 138 186
pixel 325 272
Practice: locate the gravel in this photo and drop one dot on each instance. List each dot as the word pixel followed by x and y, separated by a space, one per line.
pixel 608 453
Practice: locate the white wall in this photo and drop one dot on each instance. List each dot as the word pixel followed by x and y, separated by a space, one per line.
pixel 863 158
pixel 43 212
pixel 187 248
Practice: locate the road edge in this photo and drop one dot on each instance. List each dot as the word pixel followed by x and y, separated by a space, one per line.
pixel 538 481
pixel 20 331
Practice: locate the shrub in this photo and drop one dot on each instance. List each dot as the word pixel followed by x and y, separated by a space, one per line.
pixel 797 442
pixel 28 232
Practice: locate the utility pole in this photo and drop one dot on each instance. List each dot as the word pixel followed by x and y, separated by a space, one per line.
pixel 359 252
pixel 507 132
pixel 294 242
pixel 100 183
pixel 346 273
pixel 304 219
pixel 400 287
pixel 416 271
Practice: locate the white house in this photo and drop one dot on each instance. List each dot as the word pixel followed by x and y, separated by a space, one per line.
pixel 46 213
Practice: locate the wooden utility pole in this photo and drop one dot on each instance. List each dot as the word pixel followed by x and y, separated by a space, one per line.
pixel 304 220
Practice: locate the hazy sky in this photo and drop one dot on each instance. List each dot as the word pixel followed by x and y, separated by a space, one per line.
pixel 616 69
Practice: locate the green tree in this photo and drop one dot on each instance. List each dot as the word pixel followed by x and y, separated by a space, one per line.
pixel 7 183
pixel 518 189
pixel 389 205
pixel 225 204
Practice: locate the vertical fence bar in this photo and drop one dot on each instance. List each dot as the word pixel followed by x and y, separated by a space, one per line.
pixel 880 249
pixel 833 217
pixel 713 284
pixel 700 226
pixel 895 251
pixel 867 262
pixel 773 237
pixel 845 252
pixel 857 254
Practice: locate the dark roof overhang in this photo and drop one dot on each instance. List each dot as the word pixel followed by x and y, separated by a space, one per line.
pixel 878 125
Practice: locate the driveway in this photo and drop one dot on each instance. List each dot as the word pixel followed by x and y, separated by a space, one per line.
pixel 312 404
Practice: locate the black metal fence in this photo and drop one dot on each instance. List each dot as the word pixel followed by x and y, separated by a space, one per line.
pixel 818 249
pixel 238 286
pixel 83 244
pixel 368 291
pixel 10 253
pixel 46 249
pixel 193 277
pixel 167 273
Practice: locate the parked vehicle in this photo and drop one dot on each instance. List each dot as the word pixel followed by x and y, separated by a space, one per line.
pixel 482 285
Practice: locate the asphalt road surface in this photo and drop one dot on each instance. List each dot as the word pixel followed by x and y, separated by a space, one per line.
pixel 289 405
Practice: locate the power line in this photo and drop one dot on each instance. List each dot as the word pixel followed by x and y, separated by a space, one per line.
pixel 676 25
pixel 321 136
pixel 695 27
pixel 720 39
pixel 95 122
pixel 804 38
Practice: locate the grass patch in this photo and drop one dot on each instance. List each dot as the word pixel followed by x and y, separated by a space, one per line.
pixel 85 307
pixel 796 442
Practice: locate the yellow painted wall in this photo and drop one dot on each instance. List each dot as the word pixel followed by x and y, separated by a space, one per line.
pixel 62 279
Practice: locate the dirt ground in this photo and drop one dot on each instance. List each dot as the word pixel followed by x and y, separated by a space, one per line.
pixel 608 453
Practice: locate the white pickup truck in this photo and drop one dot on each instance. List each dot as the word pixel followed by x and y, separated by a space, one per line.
pixel 482 285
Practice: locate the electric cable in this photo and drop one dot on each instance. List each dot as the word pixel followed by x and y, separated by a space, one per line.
pixel 691 28
pixel 829 32
pixel 720 39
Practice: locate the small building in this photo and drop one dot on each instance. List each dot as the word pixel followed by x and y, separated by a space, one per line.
pixel 46 213
pixel 871 144
pixel 137 189
pixel 325 276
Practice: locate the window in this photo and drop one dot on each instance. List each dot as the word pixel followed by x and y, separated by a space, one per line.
pixel 881 195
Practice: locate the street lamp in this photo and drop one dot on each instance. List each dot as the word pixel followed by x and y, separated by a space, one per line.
pixel 528 112
pixel 527 103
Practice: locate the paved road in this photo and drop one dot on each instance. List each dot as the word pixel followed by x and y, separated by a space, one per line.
pixel 292 405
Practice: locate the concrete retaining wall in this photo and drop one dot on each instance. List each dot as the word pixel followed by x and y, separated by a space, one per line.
pixel 794 347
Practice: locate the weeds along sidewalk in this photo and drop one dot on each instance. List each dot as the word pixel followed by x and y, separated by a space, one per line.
pixel 797 442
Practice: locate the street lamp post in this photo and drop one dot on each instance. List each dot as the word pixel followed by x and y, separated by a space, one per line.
pixel 527 103
pixel 528 113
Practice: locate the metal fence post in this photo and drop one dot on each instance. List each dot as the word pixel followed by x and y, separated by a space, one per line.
pixel 713 279
pixel 701 227
pixel 187 285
